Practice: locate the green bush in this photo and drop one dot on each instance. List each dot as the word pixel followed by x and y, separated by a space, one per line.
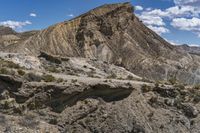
pixel 4 71
pixel 197 87
pixel 145 88
pixel 172 80
pixel 21 72
pixel 48 78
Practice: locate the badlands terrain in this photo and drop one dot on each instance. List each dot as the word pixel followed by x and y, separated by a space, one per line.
pixel 101 72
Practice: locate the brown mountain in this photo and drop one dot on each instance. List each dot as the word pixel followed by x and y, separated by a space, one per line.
pixel 114 34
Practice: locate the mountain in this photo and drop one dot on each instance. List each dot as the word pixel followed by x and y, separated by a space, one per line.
pixel 6 31
pixel 195 50
pixel 10 37
pixel 101 72
pixel 114 34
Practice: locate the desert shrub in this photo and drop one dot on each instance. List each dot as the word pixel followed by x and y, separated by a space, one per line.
pixel 112 76
pixel 146 80
pixel 32 77
pixel 29 121
pixel 172 80
pixel 156 84
pixel 9 64
pixel 4 71
pixel 53 121
pixel 196 98
pixel 145 88
pixel 130 77
pixel 180 86
pixel 65 59
pixel 2 119
pixel 60 80
pixel 48 78
pixel 74 80
pixel 21 72
pixel 90 74
pixel 196 87
pixel 53 69
pixel 13 65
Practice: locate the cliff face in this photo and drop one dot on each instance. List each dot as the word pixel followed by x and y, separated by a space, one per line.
pixel 114 34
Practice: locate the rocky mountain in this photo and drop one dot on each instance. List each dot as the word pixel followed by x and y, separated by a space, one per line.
pixel 195 50
pixel 10 37
pixel 101 72
pixel 112 33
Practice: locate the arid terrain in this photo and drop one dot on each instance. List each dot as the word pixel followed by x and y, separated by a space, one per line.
pixel 101 72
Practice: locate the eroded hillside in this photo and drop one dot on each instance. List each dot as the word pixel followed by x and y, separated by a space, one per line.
pixel 101 72
pixel 112 33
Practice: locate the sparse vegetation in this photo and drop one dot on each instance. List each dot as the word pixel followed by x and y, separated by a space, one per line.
pixel 33 77
pixel 74 80
pixel 145 88
pixel 9 64
pixel 130 77
pixel 172 80
pixel 2 119
pixel 21 72
pixel 4 71
pixel 53 69
pixel 197 87
pixel 29 121
pixel 180 86
pixel 112 76
pixel 48 78
pixel 60 80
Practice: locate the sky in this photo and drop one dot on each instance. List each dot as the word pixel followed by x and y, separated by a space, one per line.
pixel 177 21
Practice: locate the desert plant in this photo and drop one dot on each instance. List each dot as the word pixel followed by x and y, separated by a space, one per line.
pixel 4 71
pixel 33 77
pixel 29 121
pixel 21 72
pixel 74 80
pixel 172 80
pixel 60 80
pixel 112 76
pixel 48 78
pixel 130 77
pixel 196 87
pixel 145 88
pixel 53 69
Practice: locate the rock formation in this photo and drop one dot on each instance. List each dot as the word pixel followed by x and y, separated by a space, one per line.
pixel 101 72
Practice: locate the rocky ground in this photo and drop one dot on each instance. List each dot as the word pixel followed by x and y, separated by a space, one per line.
pixel 60 95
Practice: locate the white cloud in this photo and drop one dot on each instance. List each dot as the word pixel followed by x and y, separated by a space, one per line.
pixel 33 15
pixel 192 24
pixel 156 18
pixel 152 20
pixel 187 2
pixel 15 24
pixel 70 15
pixel 158 29
pixel 172 12
pixel 139 8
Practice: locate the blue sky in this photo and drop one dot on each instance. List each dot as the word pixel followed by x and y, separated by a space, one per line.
pixel 177 21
